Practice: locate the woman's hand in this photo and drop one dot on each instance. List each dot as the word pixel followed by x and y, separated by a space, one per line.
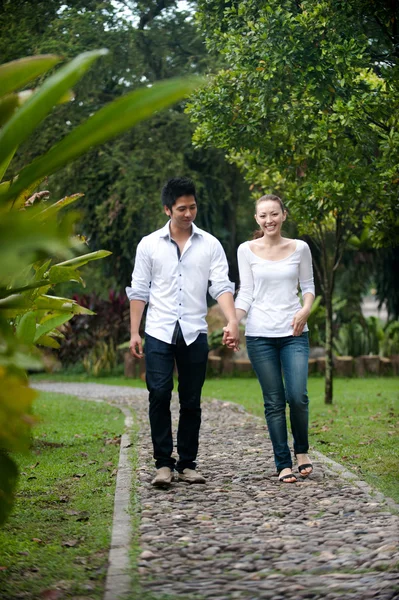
pixel 299 321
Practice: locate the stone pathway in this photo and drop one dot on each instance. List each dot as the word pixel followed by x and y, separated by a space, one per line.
pixel 244 535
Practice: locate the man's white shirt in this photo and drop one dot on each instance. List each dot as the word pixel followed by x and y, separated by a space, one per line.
pixel 174 285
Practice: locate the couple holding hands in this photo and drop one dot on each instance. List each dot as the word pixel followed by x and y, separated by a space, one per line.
pixel 172 272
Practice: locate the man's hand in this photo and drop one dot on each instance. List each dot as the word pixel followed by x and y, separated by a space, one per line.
pixel 136 346
pixel 231 336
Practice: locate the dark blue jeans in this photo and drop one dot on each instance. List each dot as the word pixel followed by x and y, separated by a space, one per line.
pixel 191 364
pixel 272 358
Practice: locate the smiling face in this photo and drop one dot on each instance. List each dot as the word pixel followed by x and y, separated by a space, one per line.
pixel 270 217
pixel 182 213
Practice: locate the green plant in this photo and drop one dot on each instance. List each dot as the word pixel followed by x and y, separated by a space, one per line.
pixel 215 339
pixel 38 245
pixel 83 333
pixel 359 338
pixel 390 341
pixel 101 359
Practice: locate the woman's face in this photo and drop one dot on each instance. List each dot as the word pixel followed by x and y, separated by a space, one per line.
pixel 270 217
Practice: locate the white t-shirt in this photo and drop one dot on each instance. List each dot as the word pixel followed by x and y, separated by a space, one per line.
pixel 269 289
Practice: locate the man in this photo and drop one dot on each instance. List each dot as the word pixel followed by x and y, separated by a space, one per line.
pixel 173 268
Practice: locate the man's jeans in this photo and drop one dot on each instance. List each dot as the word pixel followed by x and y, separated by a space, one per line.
pixel 191 364
pixel 270 358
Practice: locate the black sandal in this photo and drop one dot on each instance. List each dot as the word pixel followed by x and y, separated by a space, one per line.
pixel 301 469
pixel 284 478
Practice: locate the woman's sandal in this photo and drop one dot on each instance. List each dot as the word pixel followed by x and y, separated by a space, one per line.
pixel 301 469
pixel 284 478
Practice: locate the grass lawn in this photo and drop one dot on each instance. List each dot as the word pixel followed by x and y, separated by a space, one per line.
pixel 56 542
pixel 359 430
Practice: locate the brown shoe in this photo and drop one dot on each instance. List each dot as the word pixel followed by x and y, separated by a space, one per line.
pixel 163 477
pixel 191 476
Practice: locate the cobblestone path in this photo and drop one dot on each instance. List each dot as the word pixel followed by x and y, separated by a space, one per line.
pixel 244 535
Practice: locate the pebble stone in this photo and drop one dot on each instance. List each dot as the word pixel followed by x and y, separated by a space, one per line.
pixel 245 535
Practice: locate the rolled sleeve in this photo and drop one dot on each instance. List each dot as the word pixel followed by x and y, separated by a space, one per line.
pixel 306 281
pixel 246 290
pixel 141 276
pixel 219 273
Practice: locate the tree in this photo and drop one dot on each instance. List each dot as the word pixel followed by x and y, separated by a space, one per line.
pixel 148 41
pixel 307 107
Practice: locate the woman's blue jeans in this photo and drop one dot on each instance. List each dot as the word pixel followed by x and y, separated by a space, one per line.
pixel 191 362
pixel 273 358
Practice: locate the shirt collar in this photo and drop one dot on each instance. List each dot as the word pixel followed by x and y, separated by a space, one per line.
pixel 165 231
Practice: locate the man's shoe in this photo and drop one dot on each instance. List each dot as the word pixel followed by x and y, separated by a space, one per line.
pixel 163 477
pixel 191 476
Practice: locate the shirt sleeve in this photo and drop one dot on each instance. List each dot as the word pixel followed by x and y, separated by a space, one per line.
pixel 219 272
pixel 306 281
pixel 142 274
pixel 246 290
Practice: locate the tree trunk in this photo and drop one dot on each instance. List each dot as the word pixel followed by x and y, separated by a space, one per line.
pixel 328 390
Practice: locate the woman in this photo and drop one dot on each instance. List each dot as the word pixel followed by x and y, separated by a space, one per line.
pixel 270 268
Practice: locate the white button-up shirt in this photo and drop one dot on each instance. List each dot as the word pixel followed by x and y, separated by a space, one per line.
pixel 175 285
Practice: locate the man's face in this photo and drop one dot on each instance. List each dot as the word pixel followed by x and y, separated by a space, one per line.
pixel 183 212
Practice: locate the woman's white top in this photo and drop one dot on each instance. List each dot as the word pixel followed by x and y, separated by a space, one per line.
pixel 269 289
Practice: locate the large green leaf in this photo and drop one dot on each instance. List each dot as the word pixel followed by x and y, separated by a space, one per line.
pixel 108 122
pixel 51 210
pixel 79 261
pixel 26 119
pixel 48 342
pixel 61 305
pixel 58 274
pixel 14 75
pixel 26 328
pixel 49 324
pixel 31 286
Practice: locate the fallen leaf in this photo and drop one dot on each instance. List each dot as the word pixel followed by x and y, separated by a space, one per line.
pixel 34 466
pixel 3 568
pixel 78 475
pixel 70 543
pixel 114 440
pixel 51 594
pixel 38 540
pixel 114 472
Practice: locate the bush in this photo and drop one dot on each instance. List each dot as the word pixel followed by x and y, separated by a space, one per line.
pixel 93 340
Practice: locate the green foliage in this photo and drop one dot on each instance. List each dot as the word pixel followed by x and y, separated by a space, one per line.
pixel 84 335
pixel 390 342
pixel 359 338
pixel 38 245
pixel 123 178
pixel 308 108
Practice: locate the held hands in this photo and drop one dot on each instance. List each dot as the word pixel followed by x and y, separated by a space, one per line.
pixel 299 321
pixel 231 336
pixel 136 346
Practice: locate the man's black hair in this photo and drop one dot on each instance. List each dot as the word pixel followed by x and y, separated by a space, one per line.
pixel 176 187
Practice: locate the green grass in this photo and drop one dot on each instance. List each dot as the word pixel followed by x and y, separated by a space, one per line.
pixel 58 535
pixel 359 430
